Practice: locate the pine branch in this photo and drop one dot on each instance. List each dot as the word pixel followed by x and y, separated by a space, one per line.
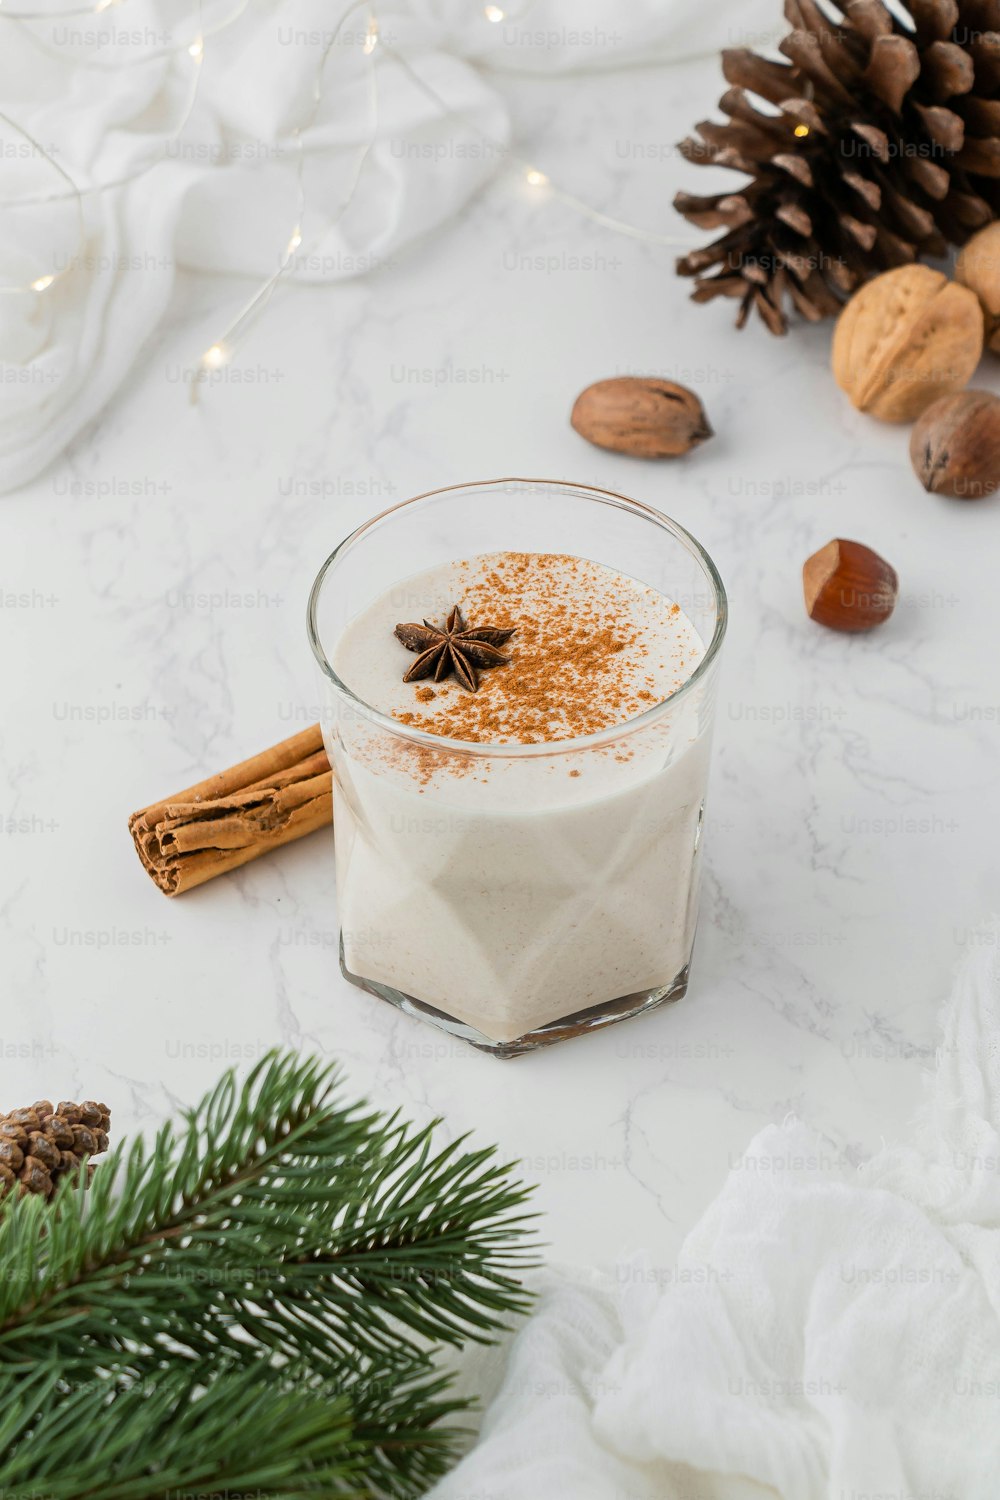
pixel 238 1431
pixel 282 1247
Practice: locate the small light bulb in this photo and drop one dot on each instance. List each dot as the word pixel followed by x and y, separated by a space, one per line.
pixel 493 13
pixel 295 241
pixel 801 130
pixel 42 282
pixel 534 178
pixel 215 357
pixel 103 5
pixel 371 38
pixel 197 49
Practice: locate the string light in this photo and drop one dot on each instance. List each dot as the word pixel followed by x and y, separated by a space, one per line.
pixel 256 304
pixel 75 193
pixel 63 14
pixel 497 13
pixel 534 176
pixel 99 64
pixel 47 279
pixel 801 130
pixel 220 352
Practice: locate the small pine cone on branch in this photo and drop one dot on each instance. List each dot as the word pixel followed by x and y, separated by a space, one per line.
pixel 876 142
pixel 40 1145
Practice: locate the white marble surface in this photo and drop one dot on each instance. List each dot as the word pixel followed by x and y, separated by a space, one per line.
pixel 153 591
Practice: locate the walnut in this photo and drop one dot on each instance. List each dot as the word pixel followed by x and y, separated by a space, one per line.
pixel 905 339
pixel 978 268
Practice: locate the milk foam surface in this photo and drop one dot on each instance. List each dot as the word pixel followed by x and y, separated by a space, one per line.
pixel 513 891
pixel 591 648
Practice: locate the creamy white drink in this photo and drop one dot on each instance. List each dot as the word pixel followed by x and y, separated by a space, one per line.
pixel 507 887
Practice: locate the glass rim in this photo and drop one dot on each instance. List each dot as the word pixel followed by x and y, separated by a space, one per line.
pixel 497 749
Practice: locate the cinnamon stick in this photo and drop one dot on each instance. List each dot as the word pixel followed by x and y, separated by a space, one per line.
pixel 236 815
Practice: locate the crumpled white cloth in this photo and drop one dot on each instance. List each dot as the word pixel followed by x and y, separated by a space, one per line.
pixel 828 1331
pixel 105 94
pixel 255 158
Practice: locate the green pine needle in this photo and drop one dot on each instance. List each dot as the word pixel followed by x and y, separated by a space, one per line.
pixel 253 1302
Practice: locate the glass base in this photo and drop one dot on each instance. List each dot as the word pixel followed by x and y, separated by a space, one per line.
pixel 579 1024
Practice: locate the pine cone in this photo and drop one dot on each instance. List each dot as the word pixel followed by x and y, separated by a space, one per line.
pixel 40 1145
pixel 883 146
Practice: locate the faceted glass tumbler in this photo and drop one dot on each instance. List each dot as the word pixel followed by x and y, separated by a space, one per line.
pixel 488 889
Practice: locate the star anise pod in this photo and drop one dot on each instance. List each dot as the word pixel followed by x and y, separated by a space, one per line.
pixel 452 647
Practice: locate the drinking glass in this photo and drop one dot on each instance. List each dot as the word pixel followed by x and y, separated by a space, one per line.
pixel 488 888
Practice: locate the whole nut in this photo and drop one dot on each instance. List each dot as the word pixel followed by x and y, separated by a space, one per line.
pixel 955 445
pixel 647 418
pixel 905 339
pixel 848 586
pixel 978 268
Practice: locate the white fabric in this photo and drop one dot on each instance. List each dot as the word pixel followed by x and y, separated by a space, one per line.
pixel 105 93
pixel 828 1331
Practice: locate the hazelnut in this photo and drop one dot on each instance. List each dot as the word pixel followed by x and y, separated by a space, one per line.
pixel 978 268
pixel 905 339
pixel 955 445
pixel 848 586
pixel 642 416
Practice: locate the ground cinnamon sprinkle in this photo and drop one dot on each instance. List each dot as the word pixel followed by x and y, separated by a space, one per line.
pixel 580 658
